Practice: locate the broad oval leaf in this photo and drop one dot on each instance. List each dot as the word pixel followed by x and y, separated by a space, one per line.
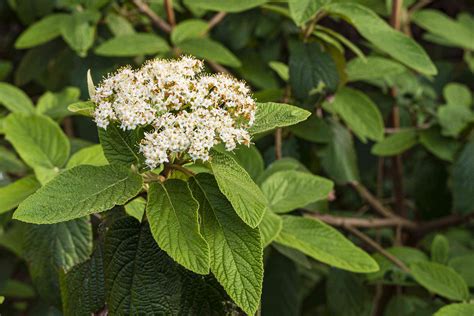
pixel 384 37
pixel 188 29
pixel 41 32
pixel 324 243
pixel 173 216
pixel 132 45
pixel 85 108
pixel 225 5
pixel 92 155
pixel 235 183
pixel 269 227
pixel 78 30
pixel 39 140
pixel 80 191
pixel 13 194
pixel 289 190
pixel 211 50
pixel 302 10
pixel 460 309
pixel 441 280
pixel 272 115
pixel 457 94
pixel 396 143
pixel 372 68
pixel 235 248
pixel 442 147
pixel 120 147
pixel 15 99
pixel 55 104
pixel 359 112
pixel 440 249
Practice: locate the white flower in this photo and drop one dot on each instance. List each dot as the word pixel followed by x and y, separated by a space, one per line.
pixel 190 111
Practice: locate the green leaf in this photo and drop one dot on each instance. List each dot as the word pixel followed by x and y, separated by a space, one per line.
pixel 80 191
pixel 188 29
pixel 311 68
pixel 210 50
pixel 463 265
pixel 173 216
pixel 13 194
pixel 384 37
pixel 92 155
pixel 442 147
pixel 55 105
pixel 289 190
pixel 440 249
pixel 251 159
pixel 132 45
pixel 338 157
pixel 15 99
pixel 284 164
pixel 119 25
pixel 9 162
pixel 396 143
pixel 340 38
pixel 85 108
pixel 42 31
pixel 324 243
pixel 236 250
pixel 269 227
pixel 441 280
pixel 314 129
pixel 139 277
pixel 51 248
pixel 39 140
pixel 136 208
pixel 460 309
pixel 78 30
pixel 372 68
pixel 457 94
pixel 120 147
pixel 454 119
pixel 235 183
pixel 442 25
pixel 463 180
pixel 359 112
pixel 281 69
pixel 303 10
pixel 225 5
pixel 83 287
pixel 272 115
pixel 16 289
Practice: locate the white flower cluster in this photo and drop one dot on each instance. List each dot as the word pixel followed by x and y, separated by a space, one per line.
pixel 190 111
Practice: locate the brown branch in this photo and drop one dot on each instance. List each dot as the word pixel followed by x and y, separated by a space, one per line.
pixel 444 222
pixel 159 22
pixel 170 13
pixel 419 5
pixel 68 126
pixel 342 221
pixel 278 141
pixel 377 247
pixel 372 200
pixel 182 169
pixel 216 19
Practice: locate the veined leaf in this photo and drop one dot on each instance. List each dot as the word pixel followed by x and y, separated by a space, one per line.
pixel 457 94
pixel 55 105
pixel 441 280
pixel 120 147
pixel 236 250
pixel 225 5
pixel 210 50
pixel 396 143
pixel 463 180
pixel 15 99
pixel 173 216
pixel 324 243
pixel 80 191
pixel 118 24
pixel 83 287
pixel 289 190
pixel 269 227
pixel 92 155
pixel 39 140
pixel 132 45
pixel 85 108
pixel 303 10
pixel 78 30
pixel 42 31
pixel 51 248
pixel 188 29
pixel 13 194
pixel 235 183
pixel 440 249
pixel 359 113
pixel 272 115
pixel 442 147
pixel 372 68
pixel 385 38
pixel 251 159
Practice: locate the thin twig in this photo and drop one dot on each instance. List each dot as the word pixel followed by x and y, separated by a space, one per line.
pixel 419 5
pixel 377 247
pixel 342 221
pixel 170 13
pixel 278 141
pixel 372 200
pixel 182 169
pixel 159 22
pixel 216 19
pixel 68 126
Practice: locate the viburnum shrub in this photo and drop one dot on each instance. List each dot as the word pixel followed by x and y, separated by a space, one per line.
pixel 236 157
